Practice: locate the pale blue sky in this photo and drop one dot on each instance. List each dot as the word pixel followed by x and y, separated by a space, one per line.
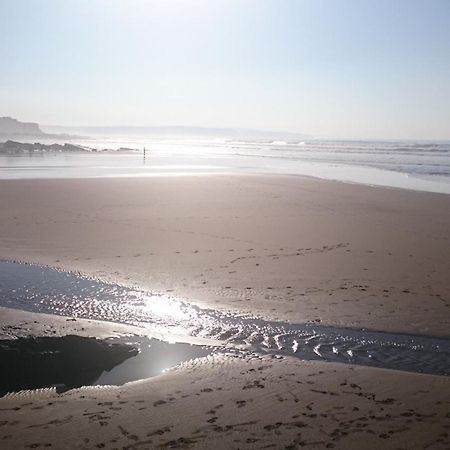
pixel 354 68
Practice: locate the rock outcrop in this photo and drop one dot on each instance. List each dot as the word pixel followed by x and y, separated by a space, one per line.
pixel 13 148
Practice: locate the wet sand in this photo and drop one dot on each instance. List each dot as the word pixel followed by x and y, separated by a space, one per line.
pixel 285 248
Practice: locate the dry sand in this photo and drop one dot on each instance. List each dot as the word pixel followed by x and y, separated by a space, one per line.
pixel 229 403
pixel 225 402
pixel 282 247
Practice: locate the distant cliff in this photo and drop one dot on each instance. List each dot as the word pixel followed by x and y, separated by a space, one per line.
pixel 11 128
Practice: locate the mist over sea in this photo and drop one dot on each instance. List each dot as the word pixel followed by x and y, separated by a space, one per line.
pixel 423 166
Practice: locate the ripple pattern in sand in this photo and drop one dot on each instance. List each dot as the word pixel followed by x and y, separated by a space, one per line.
pixel 42 289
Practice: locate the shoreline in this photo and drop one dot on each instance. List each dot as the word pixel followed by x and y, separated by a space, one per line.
pixel 353 174
pixel 237 174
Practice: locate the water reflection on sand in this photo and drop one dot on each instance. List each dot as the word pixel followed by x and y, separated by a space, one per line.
pixel 41 289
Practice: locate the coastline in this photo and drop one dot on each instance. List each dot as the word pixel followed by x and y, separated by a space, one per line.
pixel 418 166
pixel 207 240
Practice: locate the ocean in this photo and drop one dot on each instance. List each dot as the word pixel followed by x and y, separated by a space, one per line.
pixel 422 166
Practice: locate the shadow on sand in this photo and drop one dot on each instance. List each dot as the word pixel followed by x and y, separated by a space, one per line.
pixel 65 362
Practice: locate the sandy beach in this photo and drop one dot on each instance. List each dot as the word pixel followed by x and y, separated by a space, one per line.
pixel 286 248
pixel 225 225
pixel 229 403
pixel 283 248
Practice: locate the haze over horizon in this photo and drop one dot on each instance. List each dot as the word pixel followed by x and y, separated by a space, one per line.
pixel 354 69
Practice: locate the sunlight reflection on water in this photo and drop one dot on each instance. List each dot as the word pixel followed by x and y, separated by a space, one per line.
pixel 403 164
pixel 41 289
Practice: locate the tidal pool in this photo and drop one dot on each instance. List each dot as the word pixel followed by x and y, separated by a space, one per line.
pixel 67 362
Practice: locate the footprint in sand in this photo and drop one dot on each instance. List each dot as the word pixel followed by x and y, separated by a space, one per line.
pixel 159 402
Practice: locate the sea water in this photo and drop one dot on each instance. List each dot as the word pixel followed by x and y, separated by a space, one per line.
pixel 422 166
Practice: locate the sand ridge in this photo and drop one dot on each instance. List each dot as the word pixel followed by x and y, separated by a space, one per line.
pixel 225 402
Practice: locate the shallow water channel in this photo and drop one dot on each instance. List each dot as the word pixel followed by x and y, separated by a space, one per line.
pixel 42 289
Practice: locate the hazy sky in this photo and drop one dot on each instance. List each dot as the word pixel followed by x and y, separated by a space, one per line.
pixel 349 68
